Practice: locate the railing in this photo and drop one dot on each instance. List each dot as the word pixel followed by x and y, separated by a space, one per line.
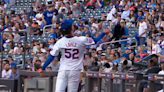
pixel 90 79
pixel 46 26
pixel 112 42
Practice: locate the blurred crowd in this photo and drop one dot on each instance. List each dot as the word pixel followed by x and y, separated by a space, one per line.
pixel 125 16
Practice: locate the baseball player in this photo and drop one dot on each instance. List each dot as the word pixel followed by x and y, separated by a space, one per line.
pixel 71 62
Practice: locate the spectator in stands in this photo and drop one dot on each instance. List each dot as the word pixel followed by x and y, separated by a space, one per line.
pixel 142 30
pixel 125 13
pixel 91 5
pixel 99 50
pixel 125 35
pixel 19 49
pixel 151 63
pixel 80 7
pixel 129 90
pixel 52 42
pixel 47 16
pixel 86 31
pixel 112 57
pixel 112 14
pixel 6 71
pixel 155 47
pixel 48 69
pixel 9 28
pixel 39 16
pixel 14 73
pixel 10 59
pixel 75 11
pixel 55 64
pixel 37 66
pixel 36 29
pixel 100 3
pixel 87 61
pixel 60 16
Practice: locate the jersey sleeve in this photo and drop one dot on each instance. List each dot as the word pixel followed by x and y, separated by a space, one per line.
pixel 55 50
pixel 88 41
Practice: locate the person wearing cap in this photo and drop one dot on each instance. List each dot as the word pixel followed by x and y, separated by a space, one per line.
pixel 120 10
pixel 80 29
pixel 72 51
pixel 47 16
pixel 14 73
pixel 128 24
pixel 86 31
pixel 125 34
pixel 18 49
pixel 53 33
pixel 112 14
pixel 9 27
pixel 155 47
pixel 99 50
pixel 142 30
pixel 55 64
pixel 132 23
pixel 125 13
pixel 161 41
pixel 78 33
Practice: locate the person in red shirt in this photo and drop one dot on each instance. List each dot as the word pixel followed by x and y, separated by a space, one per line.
pixel 91 2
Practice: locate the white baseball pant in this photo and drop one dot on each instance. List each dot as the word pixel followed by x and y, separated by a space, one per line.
pixel 69 79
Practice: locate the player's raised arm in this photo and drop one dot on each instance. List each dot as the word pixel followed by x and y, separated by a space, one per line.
pixel 53 53
pixel 106 31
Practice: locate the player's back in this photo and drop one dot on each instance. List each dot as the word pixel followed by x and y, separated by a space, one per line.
pixel 72 50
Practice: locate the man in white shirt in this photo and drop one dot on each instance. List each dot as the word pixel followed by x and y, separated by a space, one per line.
pixel 125 14
pixel 39 16
pixel 6 72
pixel 112 14
pixel 155 47
pixel 161 41
pixel 142 30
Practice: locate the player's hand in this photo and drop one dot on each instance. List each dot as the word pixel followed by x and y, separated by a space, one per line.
pixel 107 30
pixel 42 72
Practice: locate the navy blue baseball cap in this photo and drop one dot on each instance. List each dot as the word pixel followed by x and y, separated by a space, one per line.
pixel 19 42
pixel 8 25
pixel 144 51
pixel 13 64
pixel 102 12
pixel 140 18
pixel 53 27
pixel 138 56
pixel 82 19
pixel 81 25
pixel 116 5
pixel 66 23
pixel 154 39
pixel 125 55
pixel 127 48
